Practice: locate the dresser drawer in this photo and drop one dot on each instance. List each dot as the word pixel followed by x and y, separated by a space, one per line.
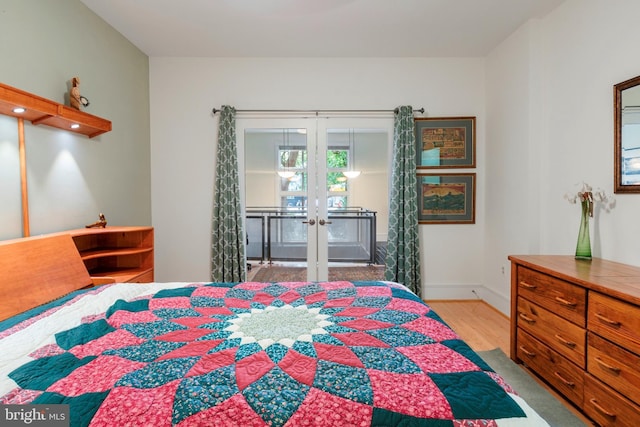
pixel 615 320
pixel 561 335
pixel 563 375
pixel 560 297
pixel 606 407
pixel 615 366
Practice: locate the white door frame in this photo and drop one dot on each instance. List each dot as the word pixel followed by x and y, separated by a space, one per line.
pixel 317 210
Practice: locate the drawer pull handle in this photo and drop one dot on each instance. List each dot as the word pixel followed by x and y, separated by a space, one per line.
pixel 607 366
pixel 565 302
pixel 527 285
pixel 565 342
pixel 595 403
pixel 607 320
pixel 527 318
pixel 565 381
pixel 527 352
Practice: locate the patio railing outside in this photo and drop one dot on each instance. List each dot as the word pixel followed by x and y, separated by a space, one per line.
pixel 279 234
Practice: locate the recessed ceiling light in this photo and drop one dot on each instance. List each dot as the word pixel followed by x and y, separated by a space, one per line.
pixel 75 126
pixel 19 110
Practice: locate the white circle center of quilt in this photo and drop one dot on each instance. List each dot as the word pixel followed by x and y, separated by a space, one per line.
pixel 284 325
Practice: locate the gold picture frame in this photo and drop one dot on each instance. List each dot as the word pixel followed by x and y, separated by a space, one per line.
pixel 446 198
pixel 445 142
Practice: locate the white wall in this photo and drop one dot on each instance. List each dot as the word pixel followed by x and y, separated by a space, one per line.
pixel 584 61
pixel 513 162
pixel 549 127
pixel 183 134
pixel 72 178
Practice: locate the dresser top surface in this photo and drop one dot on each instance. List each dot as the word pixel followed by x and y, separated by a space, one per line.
pixel 613 278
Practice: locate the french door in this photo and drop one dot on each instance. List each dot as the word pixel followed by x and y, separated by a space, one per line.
pixel 294 172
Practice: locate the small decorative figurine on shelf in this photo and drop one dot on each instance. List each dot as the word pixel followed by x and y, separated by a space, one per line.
pixel 101 223
pixel 75 99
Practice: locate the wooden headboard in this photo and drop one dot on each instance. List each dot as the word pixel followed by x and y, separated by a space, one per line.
pixel 37 270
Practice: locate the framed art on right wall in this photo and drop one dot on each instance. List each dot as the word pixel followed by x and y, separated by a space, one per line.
pixel 446 142
pixel 446 198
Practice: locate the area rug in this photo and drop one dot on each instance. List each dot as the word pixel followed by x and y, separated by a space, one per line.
pixel 275 273
pixel 545 404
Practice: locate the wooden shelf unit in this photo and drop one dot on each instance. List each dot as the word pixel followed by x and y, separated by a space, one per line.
pixel 116 254
pixel 42 111
pixel 576 324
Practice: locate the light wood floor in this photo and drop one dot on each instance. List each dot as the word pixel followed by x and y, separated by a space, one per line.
pixel 485 328
pixel 480 325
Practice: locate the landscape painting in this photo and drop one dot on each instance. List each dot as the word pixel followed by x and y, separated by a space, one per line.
pixel 446 198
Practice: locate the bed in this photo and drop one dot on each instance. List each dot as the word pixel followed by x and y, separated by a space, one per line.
pixel 240 354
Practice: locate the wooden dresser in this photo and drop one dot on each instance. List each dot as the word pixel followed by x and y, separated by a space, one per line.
pixel 576 324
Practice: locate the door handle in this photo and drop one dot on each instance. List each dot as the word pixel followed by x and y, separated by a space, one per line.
pixel 310 222
pixel 323 222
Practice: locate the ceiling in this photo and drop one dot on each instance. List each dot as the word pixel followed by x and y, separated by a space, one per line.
pixel 318 28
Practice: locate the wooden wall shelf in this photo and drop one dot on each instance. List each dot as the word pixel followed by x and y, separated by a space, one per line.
pixel 42 111
pixel 120 254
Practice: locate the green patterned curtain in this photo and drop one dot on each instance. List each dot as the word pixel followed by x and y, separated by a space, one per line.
pixel 228 261
pixel 403 248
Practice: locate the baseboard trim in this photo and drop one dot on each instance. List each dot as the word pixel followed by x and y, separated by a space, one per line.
pixel 468 292
pixel 451 291
pixel 500 302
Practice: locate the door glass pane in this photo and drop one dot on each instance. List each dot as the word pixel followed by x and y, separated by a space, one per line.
pixel 292 203
pixel 287 237
pixel 337 184
pixel 276 181
pixel 357 184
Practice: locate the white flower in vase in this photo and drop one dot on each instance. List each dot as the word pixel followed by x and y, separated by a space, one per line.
pixel 588 198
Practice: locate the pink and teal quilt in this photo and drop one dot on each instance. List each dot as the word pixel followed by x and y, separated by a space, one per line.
pixel 252 354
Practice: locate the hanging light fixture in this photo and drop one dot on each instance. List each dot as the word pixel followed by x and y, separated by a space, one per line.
pixel 286 172
pixel 351 173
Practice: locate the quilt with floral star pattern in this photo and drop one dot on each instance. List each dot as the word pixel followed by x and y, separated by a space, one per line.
pixel 252 354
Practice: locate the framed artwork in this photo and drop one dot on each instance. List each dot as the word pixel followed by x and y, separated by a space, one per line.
pixel 446 198
pixel 447 142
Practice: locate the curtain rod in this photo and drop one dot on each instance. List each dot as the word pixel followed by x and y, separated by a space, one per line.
pixel 395 110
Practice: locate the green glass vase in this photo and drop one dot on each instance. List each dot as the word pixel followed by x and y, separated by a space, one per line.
pixel 583 248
